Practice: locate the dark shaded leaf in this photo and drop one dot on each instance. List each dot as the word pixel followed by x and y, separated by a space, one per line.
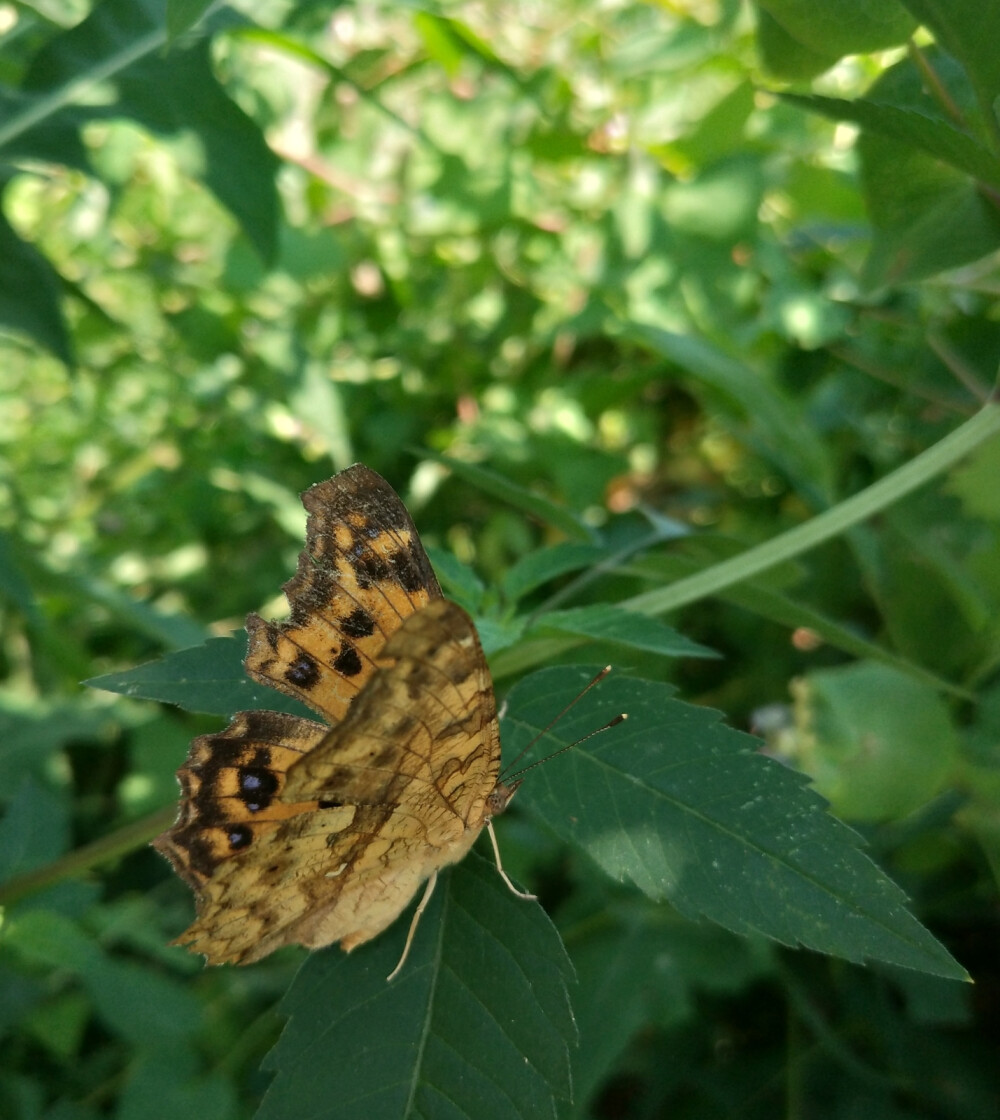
pixel 969 31
pixel 30 295
pixel 142 1006
pixel 184 14
pixel 478 1024
pixel 689 811
pixel 848 27
pixel 34 830
pixel 206 678
pixel 545 564
pixel 607 622
pixel 931 135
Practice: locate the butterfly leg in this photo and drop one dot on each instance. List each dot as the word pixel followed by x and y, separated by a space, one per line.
pixel 414 921
pixel 503 874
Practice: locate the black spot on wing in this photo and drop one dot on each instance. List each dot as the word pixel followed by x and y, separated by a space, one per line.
pixel 303 672
pixel 369 568
pixel 347 662
pixel 257 787
pixel 406 570
pixel 358 624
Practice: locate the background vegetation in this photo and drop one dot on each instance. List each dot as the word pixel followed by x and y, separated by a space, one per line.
pixel 682 307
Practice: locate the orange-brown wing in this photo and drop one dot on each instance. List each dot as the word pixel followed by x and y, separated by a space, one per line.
pixel 396 790
pixel 362 572
pixel 231 787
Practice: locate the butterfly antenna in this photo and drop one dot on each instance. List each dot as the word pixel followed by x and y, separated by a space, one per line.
pixel 569 746
pixel 506 775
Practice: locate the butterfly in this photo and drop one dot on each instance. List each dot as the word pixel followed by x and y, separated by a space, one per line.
pixel 296 832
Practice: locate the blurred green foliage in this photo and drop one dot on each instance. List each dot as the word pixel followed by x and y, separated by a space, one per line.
pixel 662 282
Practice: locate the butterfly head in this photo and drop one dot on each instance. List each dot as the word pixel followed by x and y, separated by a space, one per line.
pixel 499 799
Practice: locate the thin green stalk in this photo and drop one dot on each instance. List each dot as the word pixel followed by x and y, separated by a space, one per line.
pixel 824 527
pixel 115 844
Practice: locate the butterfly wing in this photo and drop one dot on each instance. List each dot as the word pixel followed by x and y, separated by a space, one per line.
pixel 396 790
pixel 362 572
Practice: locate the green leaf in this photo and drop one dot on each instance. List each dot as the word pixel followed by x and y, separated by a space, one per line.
pixel 688 810
pixel 170 93
pixel 30 732
pixel 969 30
pixel 141 1006
pixel 477 1025
pixel 931 135
pixel 641 971
pixel 184 14
pixel 783 55
pixel 34 830
pixel 458 580
pixel 975 482
pixel 779 434
pixel 206 678
pixel 877 743
pixel 755 596
pixel 606 622
pixel 847 27
pixel 545 564
pixel 533 504
pixel 30 294
pixel 926 215
pixel 15 587
pixel 29 131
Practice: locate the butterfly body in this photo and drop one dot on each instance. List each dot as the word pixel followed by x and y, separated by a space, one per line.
pixel 293 831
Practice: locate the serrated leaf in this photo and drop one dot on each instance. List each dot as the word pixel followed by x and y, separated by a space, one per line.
pixel 607 622
pixel 477 1025
pixel 207 678
pixel 688 810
